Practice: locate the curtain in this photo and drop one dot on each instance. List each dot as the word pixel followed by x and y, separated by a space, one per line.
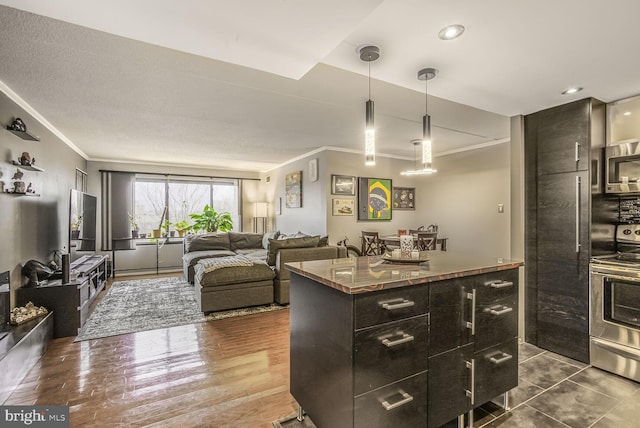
pixel 117 203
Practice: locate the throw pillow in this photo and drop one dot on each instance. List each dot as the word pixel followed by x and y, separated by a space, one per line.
pixel 324 241
pixel 209 241
pixel 269 235
pixel 277 244
pixel 244 240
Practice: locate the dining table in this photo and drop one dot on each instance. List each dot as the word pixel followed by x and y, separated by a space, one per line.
pixel 395 240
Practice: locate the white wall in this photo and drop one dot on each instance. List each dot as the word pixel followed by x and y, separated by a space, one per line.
pixel 463 197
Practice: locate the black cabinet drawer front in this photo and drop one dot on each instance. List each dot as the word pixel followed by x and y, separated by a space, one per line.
pixel 399 405
pixel 496 370
pixel 496 286
pixel 392 305
pixel 392 351
pixel 496 322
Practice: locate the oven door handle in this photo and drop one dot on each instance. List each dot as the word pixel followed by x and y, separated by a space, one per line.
pixel 615 274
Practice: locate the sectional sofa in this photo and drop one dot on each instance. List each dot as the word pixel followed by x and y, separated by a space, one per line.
pixel 237 269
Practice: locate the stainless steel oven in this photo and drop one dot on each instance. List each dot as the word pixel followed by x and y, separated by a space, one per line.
pixel 615 309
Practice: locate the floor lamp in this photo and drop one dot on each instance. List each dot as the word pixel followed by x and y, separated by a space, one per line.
pixel 260 213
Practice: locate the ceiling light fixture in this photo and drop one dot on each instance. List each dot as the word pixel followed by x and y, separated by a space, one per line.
pixel 425 74
pixel 417 170
pixel 570 91
pixel 451 32
pixel 627 113
pixel 368 54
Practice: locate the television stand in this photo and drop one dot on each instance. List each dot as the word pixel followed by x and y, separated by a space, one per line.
pixel 71 303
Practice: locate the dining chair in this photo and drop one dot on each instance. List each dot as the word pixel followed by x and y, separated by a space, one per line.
pixel 371 244
pixel 426 241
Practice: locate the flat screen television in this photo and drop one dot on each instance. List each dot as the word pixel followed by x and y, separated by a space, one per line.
pixel 82 221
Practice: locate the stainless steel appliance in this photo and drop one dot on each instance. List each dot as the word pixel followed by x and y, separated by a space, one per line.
pixel 615 306
pixel 622 167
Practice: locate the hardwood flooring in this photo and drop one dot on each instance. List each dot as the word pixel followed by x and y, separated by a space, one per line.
pixel 224 373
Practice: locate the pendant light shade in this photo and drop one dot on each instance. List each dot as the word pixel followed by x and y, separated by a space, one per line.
pixel 426 74
pixel 369 54
pixel 425 143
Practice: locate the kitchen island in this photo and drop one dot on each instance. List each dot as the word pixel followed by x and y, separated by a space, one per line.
pixel 379 344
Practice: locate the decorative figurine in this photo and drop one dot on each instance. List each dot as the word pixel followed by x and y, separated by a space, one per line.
pixel 29 189
pixel 18 175
pixel 25 159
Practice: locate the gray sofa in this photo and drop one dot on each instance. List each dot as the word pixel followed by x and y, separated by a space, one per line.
pixel 237 269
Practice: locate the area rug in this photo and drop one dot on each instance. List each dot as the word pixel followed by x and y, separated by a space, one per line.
pixel 149 304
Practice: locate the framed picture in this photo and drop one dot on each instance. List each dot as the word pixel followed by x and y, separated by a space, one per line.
pixel 404 198
pixel 313 169
pixel 374 198
pixel 293 189
pixel 343 185
pixel 343 206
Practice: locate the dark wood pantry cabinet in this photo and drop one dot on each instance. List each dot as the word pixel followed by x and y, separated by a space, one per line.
pixel 558 144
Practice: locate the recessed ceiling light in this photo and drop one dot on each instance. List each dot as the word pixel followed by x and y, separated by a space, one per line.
pixel 627 113
pixel 571 90
pixel 451 32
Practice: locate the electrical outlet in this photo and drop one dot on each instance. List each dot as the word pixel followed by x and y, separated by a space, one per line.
pixel 501 208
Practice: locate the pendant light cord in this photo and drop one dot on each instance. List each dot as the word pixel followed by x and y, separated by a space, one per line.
pixel 369 62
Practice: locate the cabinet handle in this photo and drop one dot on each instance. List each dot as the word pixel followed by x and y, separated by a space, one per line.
pixel 472 324
pixel 406 398
pixel 577 152
pixel 577 213
pixel 494 310
pixel 504 358
pixel 404 339
pixel 471 393
pixel 499 283
pixel 391 305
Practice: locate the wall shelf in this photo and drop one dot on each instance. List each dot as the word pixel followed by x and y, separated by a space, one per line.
pixel 26 135
pixel 27 167
pixel 22 193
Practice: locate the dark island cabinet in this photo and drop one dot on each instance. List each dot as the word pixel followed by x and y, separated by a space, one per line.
pixel 413 356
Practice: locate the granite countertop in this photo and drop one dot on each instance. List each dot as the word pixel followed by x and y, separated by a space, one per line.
pixel 362 274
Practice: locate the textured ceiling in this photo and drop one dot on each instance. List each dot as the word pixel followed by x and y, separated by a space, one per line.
pixel 248 84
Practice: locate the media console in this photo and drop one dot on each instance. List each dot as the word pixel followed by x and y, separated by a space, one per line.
pixel 71 303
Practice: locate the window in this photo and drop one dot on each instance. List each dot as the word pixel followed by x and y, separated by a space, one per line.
pixel 182 196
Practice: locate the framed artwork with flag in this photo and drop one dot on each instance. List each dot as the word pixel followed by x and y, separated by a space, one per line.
pixel 374 198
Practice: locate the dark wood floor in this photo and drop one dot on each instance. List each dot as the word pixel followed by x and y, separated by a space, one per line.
pixel 225 373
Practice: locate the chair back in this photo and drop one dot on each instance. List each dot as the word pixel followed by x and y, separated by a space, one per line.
pixel 432 228
pixel 426 241
pixel 371 245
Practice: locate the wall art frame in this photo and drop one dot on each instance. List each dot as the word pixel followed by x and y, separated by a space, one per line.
pixel 374 199
pixel 293 189
pixel 343 185
pixel 343 207
pixel 404 198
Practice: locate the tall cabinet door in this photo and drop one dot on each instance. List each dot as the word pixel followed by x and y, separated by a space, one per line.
pixel 558 243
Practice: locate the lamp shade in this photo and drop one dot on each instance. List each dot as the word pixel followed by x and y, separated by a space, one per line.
pixel 260 209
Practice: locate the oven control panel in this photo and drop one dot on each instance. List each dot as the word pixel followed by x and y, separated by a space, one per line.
pixel 628 233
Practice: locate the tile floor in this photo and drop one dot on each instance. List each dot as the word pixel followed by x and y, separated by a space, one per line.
pixel 555 391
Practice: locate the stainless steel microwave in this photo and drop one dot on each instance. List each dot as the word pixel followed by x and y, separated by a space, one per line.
pixel 622 167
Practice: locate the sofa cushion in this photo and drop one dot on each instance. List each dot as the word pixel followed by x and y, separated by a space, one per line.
pixel 276 244
pixel 193 256
pixel 243 240
pixel 208 241
pixel 259 271
pixel 254 253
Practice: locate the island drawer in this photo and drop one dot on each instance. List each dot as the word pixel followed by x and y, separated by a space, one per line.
pixel 388 352
pixel 399 405
pixel 391 305
pixel 496 322
pixel 496 370
pixel 495 286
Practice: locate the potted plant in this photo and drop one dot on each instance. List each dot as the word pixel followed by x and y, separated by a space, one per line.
pixel 181 226
pixel 134 227
pixel 211 221
pixel 165 226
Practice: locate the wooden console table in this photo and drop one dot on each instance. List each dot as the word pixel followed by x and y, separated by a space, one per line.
pixel 71 302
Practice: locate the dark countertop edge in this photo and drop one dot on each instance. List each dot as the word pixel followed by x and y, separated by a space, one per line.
pixel 404 282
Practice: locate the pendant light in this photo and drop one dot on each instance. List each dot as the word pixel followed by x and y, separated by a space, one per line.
pixel 369 54
pixel 426 74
